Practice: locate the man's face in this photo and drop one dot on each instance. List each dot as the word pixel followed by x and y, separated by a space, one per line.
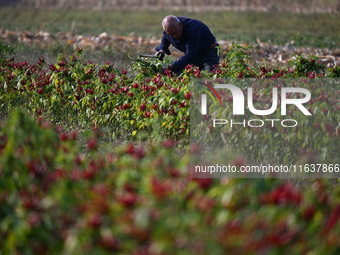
pixel 175 31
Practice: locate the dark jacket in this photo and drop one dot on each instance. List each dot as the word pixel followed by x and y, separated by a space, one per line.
pixel 196 38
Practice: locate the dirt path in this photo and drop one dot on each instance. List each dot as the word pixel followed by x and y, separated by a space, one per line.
pixel 265 53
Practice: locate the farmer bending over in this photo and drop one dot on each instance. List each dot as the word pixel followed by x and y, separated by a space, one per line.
pixel 192 37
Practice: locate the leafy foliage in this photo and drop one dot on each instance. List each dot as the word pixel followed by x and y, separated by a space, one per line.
pixel 68 186
pixel 5 51
pixel 64 193
pixel 303 65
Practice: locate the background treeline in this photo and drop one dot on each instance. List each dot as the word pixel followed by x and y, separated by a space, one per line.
pixel 328 6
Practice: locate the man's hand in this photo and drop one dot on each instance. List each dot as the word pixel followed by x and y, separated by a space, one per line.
pixel 160 55
pixel 167 68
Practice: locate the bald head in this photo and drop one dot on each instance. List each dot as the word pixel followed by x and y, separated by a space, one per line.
pixel 170 22
pixel 172 26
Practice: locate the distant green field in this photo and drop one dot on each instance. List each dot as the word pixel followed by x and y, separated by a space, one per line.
pixel 318 30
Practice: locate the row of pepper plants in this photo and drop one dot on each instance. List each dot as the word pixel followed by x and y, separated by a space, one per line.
pixel 95 160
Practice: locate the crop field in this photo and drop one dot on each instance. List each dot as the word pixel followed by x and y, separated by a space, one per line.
pixel 95 142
